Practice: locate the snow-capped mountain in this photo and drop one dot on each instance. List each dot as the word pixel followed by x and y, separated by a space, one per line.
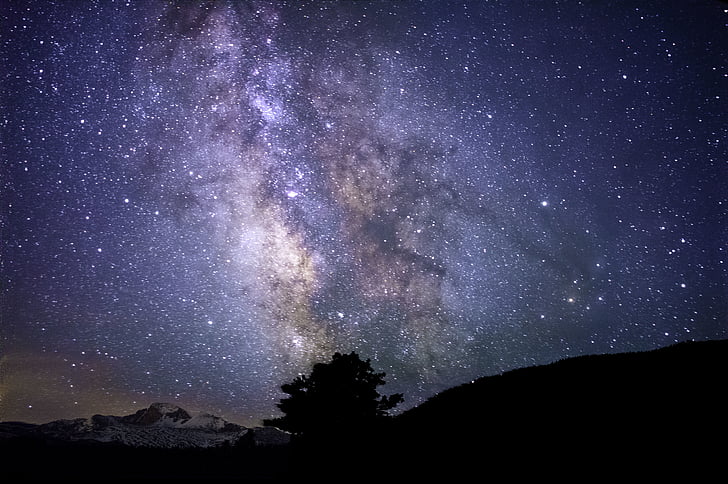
pixel 162 425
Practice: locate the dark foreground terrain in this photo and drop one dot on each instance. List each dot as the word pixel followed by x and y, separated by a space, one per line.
pixel 662 413
pixel 656 413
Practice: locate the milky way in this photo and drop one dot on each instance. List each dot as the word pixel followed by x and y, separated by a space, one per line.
pixel 202 199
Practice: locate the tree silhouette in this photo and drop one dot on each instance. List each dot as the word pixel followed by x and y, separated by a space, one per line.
pixel 339 395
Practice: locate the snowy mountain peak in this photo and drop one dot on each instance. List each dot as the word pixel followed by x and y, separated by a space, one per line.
pixel 207 421
pixel 161 414
pixel 166 408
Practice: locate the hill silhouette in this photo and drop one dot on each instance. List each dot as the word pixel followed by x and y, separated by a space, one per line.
pixel 653 411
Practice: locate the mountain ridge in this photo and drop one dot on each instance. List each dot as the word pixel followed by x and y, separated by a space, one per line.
pixel 161 425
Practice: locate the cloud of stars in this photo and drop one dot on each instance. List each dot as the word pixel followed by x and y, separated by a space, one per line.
pixel 202 200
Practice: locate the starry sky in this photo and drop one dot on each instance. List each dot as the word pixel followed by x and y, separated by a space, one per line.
pixel 202 199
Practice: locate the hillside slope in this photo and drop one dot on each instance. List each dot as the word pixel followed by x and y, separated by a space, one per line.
pixel 660 409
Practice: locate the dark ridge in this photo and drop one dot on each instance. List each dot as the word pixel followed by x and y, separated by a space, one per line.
pixel 653 411
pixel 615 377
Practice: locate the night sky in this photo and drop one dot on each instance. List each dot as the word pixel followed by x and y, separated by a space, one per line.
pixel 202 199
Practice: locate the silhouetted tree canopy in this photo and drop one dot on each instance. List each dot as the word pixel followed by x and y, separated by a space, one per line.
pixel 338 395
